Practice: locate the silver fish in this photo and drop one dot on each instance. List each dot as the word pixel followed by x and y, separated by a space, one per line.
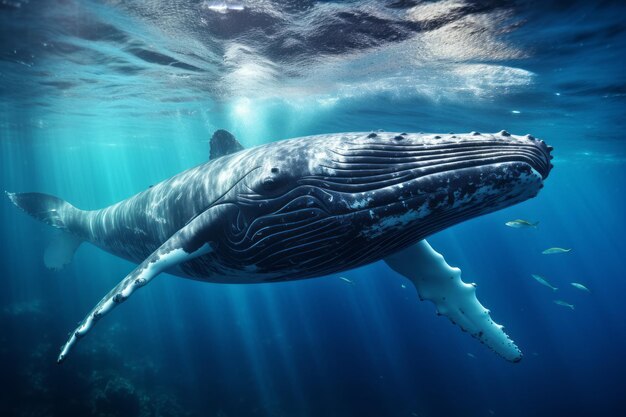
pixel 579 286
pixel 564 304
pixel 542 281
pixel 521 224
pixel 551 251
pixel 349 281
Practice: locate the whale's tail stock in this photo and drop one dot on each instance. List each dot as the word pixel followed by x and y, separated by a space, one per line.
pixel 56 213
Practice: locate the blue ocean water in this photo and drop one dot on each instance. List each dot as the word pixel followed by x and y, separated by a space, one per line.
pixel 100 99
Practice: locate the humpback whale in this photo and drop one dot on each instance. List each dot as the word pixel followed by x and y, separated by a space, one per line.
pixel 309 207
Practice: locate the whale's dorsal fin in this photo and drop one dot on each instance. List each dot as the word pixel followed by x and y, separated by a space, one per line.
pixel 223 143
pixel 440 283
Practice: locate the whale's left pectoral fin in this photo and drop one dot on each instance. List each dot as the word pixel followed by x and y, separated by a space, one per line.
pixel 440 283
pixel 179 248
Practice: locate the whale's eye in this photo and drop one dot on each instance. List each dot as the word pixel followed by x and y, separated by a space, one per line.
pixel 272 179
pixel 268 183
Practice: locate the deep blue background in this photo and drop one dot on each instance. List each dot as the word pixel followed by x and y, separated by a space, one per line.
pixel 323 347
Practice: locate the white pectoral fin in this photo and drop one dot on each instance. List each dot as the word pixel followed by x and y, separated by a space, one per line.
pixel 440 283
pixel 170 254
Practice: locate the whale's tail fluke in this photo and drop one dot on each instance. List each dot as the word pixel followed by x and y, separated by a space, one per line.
pixel 56 213
pixel 47 208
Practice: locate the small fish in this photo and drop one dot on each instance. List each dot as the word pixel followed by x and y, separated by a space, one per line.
pixel 347 280
pixel 403 286
pixel 471 355
pixel 564 304
pixel 521 224
pixel 579 286
pixel 552 251
pixel 542 281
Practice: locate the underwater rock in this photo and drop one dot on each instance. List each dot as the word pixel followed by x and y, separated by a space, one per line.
pixel 118 398
pixel 166 405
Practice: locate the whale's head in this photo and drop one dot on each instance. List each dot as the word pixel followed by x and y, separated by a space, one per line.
pixel 355 198
pixel 403 187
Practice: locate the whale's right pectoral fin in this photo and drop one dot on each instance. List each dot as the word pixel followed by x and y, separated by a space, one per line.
pixel 183 246
pixel 440 283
